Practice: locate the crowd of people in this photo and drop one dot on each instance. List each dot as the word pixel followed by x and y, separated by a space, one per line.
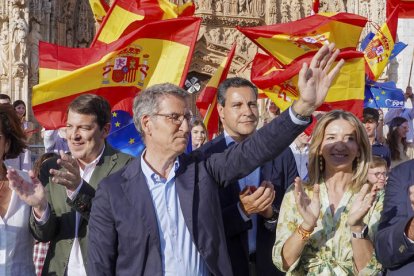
pixel 270 201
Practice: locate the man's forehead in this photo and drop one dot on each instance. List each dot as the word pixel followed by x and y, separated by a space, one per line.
pixel 240 93
pixel 73 115
pixel 173 103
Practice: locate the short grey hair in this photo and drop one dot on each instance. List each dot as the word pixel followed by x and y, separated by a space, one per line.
pixel 147 101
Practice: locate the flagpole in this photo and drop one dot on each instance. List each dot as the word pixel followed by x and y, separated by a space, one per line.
pixel 411 69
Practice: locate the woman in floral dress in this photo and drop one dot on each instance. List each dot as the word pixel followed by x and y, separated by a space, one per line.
pixel 326 226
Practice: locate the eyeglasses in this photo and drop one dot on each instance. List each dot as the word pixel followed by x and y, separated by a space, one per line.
pixel 380 175
pixel 176 118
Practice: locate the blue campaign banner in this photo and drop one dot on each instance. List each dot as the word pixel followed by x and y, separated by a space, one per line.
pixel 383 95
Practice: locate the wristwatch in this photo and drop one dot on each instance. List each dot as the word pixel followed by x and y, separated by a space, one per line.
pixel 275 215
pixel 361 235
pixel 300 116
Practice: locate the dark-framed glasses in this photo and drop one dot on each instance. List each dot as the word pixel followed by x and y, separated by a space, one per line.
pixel 177 119
pixel 382 175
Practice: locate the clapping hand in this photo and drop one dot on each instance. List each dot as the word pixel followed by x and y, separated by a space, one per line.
pixel 69 175
pixel 361 205
pixel 31 192
pixel 308 208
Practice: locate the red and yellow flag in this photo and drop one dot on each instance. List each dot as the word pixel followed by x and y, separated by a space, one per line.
pixel 156 53
pixel 125 16
pixel 99 9
pixel 405 8
pixel 346 92
pixel 378 50
pixel 291 41
pixel 207 100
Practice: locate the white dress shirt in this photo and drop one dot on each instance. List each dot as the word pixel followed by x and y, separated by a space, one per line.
pixel 16 241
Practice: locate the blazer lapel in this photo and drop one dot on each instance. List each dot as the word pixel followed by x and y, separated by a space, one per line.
pixel 185 184
pixel 103 168
pixel 137 193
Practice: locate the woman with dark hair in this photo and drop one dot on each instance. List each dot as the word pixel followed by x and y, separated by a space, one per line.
pixel 198 134
pixel 397 141
pixel 15 237
pixel 20 108
pixel 327 225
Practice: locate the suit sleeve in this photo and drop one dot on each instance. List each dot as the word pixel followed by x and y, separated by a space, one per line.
pixel 47 231
pixel 264 145
pixel 234 223
pixel 392 247
pixel 82 202
pixel 102 236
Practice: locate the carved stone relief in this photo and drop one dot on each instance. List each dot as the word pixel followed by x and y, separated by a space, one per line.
pixel 24 22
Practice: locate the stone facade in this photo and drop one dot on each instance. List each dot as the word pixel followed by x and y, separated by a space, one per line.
pixel 25 22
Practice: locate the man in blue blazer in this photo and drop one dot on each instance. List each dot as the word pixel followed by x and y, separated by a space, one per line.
pixel 161 214
pixel 394 242
pixel 249 225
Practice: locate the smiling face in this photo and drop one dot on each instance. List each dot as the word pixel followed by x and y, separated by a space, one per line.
pixel 198 136
pixel 84 136
pixel 20 110
pixel 339 147
pixel 240 114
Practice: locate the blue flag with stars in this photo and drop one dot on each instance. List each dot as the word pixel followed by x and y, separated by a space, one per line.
pixel 383 95
pixel 124 136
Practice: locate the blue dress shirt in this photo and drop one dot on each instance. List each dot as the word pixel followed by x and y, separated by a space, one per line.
pixel 179 253
pixel 253 179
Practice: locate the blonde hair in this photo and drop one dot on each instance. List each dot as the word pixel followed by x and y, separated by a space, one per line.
pixel 360 164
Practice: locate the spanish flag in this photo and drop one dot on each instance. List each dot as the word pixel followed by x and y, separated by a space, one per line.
pixel 378 50
pixel 125 16
pixel 99 9
pixel 346 92
pixel 57 61
pixel 291 41
pixel 405 8
pixel 156 53
pixel 207 100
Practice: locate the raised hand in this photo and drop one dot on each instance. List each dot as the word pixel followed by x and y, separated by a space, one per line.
pixel 32 192
pixel 361 205
pixel 316 79
pixel 69 175
pixel 308 208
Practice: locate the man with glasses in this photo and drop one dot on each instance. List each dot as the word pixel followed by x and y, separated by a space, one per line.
pixel 161 215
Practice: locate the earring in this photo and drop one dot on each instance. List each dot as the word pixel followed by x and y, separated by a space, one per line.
pixel 321 163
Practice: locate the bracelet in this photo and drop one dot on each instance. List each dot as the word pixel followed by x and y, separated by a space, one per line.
pixel 305 234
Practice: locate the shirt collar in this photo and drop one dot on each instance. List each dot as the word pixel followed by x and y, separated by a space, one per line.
pixel 228 138
pixel 153 176
pixel 94 162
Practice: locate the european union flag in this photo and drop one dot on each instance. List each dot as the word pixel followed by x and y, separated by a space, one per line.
pixel 398 47
pixel 383 95
pixel 124 136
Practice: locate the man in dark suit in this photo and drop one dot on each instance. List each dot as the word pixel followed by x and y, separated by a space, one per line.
pixel 394 241
pixel 163 217
pixel 248 223
pixel 61 212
